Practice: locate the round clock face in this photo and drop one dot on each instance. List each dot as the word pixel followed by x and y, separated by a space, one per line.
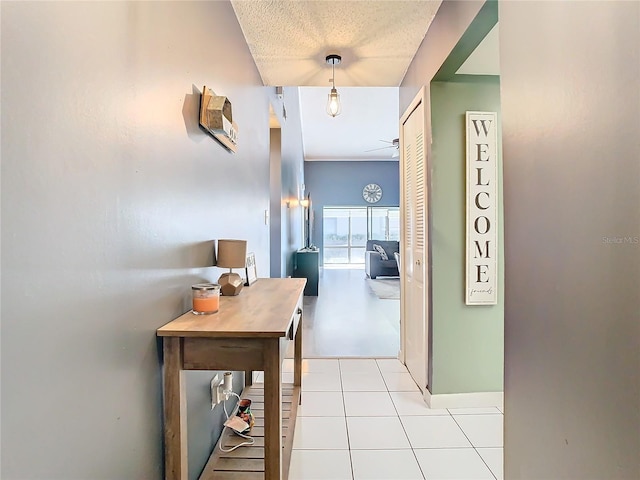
pixel 372 193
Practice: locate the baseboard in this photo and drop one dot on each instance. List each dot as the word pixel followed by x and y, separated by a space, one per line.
pixel 465 400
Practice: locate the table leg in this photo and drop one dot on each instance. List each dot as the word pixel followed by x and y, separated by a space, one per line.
pixel 297 362
pixel 175 411
pixel 272 410
pixel 248 378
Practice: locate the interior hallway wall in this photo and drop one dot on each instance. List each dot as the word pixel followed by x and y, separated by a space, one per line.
pixel 291 179
pixel 570 77
pixel 468 340
pixel 111 199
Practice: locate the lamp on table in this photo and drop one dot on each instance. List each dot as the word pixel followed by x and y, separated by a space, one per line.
pixel 231 254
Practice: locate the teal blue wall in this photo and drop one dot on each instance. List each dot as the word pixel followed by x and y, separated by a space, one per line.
pixel 467 341
pixel 340 184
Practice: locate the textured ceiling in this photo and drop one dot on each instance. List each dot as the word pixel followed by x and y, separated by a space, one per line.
pixel 377 39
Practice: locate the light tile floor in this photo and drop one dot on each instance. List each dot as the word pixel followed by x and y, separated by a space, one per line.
pixel 346 319
pixel 363 419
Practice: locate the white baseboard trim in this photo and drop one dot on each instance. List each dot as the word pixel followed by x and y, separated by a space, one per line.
pixel 465 400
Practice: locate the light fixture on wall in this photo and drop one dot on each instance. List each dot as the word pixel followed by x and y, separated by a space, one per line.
pixel 333 104
pixel 231 254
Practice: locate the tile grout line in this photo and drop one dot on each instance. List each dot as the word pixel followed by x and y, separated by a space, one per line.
pixel 346 425
pixel 402 425
pixel 473 446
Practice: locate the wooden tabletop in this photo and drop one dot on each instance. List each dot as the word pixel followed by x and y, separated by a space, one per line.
pixel 264 309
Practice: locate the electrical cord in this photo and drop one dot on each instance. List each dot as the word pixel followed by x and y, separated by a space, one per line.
pixel 233 412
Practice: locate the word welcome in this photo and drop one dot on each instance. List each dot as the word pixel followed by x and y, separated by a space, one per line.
pixel 482 209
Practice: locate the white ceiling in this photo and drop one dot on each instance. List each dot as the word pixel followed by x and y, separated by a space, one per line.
pixel 369 115
pixel 377 39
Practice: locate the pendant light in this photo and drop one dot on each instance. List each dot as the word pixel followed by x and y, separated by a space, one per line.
pixel 333 104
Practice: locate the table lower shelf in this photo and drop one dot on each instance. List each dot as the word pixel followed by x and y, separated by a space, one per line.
pixel 247 462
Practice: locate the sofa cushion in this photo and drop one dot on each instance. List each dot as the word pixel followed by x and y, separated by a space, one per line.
pixel 380 250
pixel 389 246
pixel 389 263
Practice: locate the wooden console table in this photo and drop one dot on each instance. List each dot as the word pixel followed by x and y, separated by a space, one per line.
pixel 248 333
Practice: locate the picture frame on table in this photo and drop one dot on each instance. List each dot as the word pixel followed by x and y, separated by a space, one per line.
pixel 250 270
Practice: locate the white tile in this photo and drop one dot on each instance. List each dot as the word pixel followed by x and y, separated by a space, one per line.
pixel 385 465
pixel 363 382
pixel 473 411
pixel 368 404
pixel 434 432
pixel 320 433
pixel 400 382
pixel 320 465
pixel 321 404
pixel 494 459
pixel 287 377
pixel 321 382
pixel 452 464
pixel 412 403
pixel 482 430
pixel 376 433
pixel 391 365
pixel 358 365
pixel 321 365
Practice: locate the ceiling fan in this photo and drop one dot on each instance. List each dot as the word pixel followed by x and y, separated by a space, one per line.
pixel 395 143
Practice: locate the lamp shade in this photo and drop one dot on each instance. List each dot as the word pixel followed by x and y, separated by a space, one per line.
pixel 333 103
pixel 232 253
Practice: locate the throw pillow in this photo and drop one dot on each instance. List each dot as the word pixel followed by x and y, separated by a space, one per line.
pixel 380 250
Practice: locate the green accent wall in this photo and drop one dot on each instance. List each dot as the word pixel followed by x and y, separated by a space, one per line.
pixel 467 341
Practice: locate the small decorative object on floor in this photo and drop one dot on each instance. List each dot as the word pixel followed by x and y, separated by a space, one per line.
pixel 244 412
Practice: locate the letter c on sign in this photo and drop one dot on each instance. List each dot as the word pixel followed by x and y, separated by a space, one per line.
pixel 478 200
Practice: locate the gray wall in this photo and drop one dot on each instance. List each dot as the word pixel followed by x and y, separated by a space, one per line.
pixel 287 177
pixel 292 178
pixel 333 184
pixel 111 199
pixel 571 103
pixel 467 339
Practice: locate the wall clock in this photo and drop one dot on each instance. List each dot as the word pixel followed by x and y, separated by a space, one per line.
pixel 372 193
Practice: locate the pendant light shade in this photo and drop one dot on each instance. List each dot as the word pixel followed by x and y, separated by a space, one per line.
pixel 333 105
pixel 333 102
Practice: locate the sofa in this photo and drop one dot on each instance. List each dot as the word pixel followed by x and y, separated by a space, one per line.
pixel 374 265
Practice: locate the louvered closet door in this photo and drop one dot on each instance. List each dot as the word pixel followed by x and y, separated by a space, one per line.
pixel 414 229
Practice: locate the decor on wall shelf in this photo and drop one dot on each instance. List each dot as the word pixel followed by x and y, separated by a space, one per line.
pixel 216 118
pixel 231 254
pixel 482 209
pixel 333 104
pixel 250 270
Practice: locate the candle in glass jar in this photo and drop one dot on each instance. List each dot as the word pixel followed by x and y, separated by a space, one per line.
pixel 206 298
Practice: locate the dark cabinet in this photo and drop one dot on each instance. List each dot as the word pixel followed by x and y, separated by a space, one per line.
pixel 306 266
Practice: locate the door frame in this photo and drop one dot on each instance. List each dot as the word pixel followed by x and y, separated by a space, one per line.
pixel 421 97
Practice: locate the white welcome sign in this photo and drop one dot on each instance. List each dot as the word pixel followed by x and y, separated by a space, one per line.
pixel 482 208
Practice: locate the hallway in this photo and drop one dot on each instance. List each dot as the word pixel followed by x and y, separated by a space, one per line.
pixel 365 418
pixel 346 319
